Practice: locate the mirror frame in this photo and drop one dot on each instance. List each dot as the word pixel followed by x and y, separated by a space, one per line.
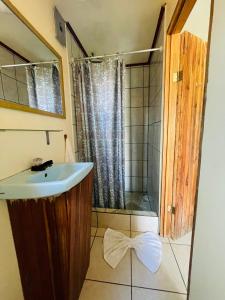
pixel 21 107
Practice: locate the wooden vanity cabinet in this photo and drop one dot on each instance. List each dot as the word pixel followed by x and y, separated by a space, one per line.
pixel 52 241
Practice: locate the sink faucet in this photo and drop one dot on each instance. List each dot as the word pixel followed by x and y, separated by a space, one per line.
pixel 42 166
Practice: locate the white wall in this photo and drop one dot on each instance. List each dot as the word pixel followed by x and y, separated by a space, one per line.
pixel 208 269
pixel 18 148
pixel 198 20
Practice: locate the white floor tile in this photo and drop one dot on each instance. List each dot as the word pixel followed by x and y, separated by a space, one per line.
pixel 101 232
pixel 143 223
pixel 135 233
pixel 185 240
pixel 166 278
pixel 144 294
pixel 114 221
pixel 182 254
pixel 93 290
pixel 100 270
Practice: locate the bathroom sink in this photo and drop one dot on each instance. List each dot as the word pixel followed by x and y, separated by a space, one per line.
pixel 55 180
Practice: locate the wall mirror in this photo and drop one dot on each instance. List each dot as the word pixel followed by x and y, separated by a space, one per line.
pixel 30 69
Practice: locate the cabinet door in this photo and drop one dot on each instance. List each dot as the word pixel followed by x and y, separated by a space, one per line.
pixel 52 241
pixel 79 203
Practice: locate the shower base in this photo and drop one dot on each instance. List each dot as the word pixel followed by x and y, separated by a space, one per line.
pixel 137 201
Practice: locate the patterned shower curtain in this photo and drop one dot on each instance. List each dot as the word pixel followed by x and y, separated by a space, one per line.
pixel 98 105
pixel 43 85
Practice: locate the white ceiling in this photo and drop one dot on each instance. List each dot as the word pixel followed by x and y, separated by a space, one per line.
pixel 109 26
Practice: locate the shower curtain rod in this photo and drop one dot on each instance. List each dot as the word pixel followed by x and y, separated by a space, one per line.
pixel 29 64
pixel 118 54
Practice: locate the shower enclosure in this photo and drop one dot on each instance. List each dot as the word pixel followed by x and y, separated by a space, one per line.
pixel 142 130
pixel 135 145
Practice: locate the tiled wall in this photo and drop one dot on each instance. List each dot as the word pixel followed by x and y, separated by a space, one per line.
pixel 155 121
pixel 13 83
pixel 73 51
pixel 136 128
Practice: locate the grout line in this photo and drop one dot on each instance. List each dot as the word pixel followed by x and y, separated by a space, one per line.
pixel 94 237
pixel 135 286
pixel 14 78
pixel 130 133
pixel 2 85
pixel 115 283
pixel 131 270
pixel 152 289
pixel 178 265
pixel 143 133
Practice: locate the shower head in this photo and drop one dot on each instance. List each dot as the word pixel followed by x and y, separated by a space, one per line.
pixel 96 60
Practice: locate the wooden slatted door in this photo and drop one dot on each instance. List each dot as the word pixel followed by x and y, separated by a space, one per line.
pixel 189 82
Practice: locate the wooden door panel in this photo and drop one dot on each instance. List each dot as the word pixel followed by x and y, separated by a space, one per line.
pixel 189 106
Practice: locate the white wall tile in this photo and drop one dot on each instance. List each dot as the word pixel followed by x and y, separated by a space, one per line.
pixel 23 93
pixel 126 116
pixel 127 78
pixel 137 151
pixel 137 77
pixel 1 90
pixel 137 184
pixel 6 58
pixel 146 76
pixel 136 97
pixel 21 71
pixel 146 96
pixel 10 88
pixel 137 134
pixel 126 102
pixel 137 116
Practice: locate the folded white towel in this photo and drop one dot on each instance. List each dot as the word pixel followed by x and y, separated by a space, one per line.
pixel 148 248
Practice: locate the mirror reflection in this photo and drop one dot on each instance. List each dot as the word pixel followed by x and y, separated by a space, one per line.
pixel 29 70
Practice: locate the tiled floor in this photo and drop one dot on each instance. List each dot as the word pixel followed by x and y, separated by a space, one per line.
pixel 131 280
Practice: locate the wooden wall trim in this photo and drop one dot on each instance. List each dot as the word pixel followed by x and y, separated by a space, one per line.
pixel 180 16
pixel 157 31
pixel 69 27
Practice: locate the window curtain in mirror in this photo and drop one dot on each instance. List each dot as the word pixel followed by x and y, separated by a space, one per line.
pixel 43 84
pixel 98 106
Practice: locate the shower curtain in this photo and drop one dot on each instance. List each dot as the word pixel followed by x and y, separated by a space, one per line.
pixel 98 88
pixel 43 84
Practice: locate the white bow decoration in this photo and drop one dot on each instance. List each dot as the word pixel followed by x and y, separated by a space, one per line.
pixel 148 248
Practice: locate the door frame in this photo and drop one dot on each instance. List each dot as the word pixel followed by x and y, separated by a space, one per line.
pixel 180 16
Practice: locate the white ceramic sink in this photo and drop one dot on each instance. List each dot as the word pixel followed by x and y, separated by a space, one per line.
pixel 55 180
